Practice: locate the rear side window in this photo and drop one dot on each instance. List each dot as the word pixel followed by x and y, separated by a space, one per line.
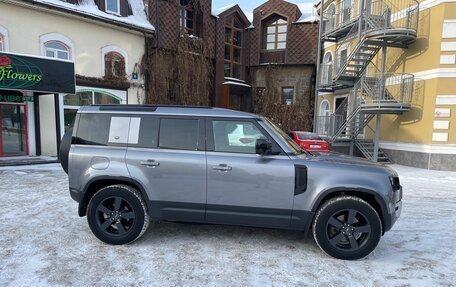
pixel 93 129
pixel 144 132
pixel 102 129
pixel 179 134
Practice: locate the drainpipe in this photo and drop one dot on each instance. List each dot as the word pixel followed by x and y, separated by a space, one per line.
pixel 317 80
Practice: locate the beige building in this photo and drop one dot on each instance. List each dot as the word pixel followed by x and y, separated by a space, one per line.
pixel 106 41
pixel 386 80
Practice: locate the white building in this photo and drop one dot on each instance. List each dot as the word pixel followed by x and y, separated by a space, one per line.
pixel 106 41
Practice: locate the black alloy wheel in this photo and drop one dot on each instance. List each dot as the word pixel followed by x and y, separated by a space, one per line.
pixel 347 227
pixel 117 214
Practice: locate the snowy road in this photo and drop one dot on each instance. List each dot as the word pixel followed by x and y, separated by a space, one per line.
pixel 44 242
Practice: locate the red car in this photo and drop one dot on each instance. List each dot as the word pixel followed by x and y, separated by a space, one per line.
pixel 310 141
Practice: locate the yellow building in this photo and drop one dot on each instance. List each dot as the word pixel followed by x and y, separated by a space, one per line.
pixel 389 64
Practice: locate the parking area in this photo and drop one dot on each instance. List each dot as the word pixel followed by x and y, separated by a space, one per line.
pixel 44 242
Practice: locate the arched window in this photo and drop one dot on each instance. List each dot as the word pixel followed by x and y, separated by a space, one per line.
pixel 54 45
pixel 2 42
pixel 71 103
pixel 324 118
pixel 327 68
pixel 330 18
pixel 3 39
pixel 56 49
pixel 275 34
pixel 114 65
pixel 187 17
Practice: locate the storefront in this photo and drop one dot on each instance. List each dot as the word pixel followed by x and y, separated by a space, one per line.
pixel 30 89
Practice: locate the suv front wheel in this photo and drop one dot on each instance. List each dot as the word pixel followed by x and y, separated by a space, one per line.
pixel 117 214
pixel 347 227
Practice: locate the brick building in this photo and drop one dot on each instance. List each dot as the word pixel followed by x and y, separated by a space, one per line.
pixel 238 61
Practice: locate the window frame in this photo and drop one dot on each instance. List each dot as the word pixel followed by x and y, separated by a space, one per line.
pixel 2 43
pixel 274 23
pixel 111 48
pixel 56 51
pixel 184 10
pixel 113 72
pixel 110 11
pixel 231 24
pixel 5 39
pixel 283 95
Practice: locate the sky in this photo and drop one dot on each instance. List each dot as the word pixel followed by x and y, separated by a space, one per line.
pixel 249 5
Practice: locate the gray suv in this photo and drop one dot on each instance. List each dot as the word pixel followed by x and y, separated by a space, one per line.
pixel 130 164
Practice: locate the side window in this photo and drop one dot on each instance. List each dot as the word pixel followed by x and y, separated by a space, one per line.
pixel 179 134
pixel 235 136
pixel 102 129
pixel 143 132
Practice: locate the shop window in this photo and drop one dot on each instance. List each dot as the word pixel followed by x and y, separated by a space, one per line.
pixel 287 96
pixel 233 48
pixel 275 34
pixel 56 49
pixel 187 17
pixel 113 6
pixel 71 103
pixel 114 65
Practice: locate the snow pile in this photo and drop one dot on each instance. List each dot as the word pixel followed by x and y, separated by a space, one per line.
pixel 219 11
pixel 88 7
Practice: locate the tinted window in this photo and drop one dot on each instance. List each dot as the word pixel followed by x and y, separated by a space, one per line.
pixel 179 134
pixel 235 136
pixel 93 129
pixel 144 132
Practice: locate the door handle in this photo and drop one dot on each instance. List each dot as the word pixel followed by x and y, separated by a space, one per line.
pixel 150 163
pixel 222 167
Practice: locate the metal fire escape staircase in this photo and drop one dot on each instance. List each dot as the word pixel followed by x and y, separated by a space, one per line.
pixel 373 91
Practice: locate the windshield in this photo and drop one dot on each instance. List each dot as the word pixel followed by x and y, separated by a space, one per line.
pixel 281 134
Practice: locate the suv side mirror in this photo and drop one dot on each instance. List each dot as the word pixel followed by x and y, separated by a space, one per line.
pixel 263 147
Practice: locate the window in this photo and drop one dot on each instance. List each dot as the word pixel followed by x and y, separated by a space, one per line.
pixel 113 6
pixel 235 136
pixel 71 103
pixel 56 49
pixel 449 29
pixel 114 65
pixel 287 96
pixel 233 48
pixel 2 42
pixel 148 132
pixel 186 17
pixel 178 134
pixel 93 129
pixel 276 35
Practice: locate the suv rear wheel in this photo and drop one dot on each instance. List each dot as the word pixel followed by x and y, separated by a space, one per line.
pixel 347 227
pixel 117 214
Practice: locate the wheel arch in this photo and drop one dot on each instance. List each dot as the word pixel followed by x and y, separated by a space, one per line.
pixel 370 196
pixel 97 183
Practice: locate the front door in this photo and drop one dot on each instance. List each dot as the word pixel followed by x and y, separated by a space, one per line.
pixel 13 126
pixel 243 187
pixel 167 156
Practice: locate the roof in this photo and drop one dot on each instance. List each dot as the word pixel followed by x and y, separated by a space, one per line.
pixel 170 110
pixel 88 8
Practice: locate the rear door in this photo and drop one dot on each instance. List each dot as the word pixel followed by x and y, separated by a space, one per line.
pixel 243 187
pixel 166 155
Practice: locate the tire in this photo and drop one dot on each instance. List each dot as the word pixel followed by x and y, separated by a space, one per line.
pixel 347 227
pixel 64 149
pixel 117 215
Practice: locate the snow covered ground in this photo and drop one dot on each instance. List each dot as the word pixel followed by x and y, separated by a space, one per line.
pixel 44 242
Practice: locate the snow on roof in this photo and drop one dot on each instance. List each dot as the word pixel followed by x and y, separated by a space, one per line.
pixel 309 13
pixel 219 11
pixel 88 7
pixel 236 84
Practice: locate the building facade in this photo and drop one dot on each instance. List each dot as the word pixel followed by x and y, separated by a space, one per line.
pixel 106 42
pixel 267 61
pixel 385 91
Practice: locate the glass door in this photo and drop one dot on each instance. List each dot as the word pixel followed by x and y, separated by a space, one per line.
pixel 13 124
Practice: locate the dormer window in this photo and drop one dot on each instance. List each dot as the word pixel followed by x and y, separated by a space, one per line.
pixel 113 6
pixel 186 18
pixel 275 34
